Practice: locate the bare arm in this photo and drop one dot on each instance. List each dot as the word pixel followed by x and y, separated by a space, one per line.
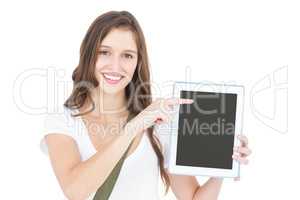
pixel 187 188
pixel 79 179
pixel 210 190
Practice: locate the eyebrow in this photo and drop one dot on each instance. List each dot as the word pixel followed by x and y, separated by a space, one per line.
pixel 127 50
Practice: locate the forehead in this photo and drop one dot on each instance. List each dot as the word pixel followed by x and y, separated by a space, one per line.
pixel 120 39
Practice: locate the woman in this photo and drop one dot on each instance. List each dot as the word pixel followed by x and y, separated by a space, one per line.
pixel 111 103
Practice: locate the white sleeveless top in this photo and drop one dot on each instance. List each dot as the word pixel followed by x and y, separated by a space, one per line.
pixel 138 178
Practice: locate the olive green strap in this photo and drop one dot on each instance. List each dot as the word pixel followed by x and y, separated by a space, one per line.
pixel 106 188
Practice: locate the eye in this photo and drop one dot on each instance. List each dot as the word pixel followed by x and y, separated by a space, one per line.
pixel 104 52
pixel 128 56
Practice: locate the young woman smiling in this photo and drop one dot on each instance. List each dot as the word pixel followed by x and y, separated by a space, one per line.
pixel 110 108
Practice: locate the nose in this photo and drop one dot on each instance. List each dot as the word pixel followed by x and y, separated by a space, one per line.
pixel 115 63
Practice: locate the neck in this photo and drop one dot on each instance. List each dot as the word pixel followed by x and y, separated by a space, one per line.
pixel 108 104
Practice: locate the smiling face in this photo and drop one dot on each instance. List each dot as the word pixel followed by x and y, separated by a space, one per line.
pixel 116 60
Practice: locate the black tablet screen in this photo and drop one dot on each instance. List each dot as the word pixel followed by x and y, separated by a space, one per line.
pixel 206 130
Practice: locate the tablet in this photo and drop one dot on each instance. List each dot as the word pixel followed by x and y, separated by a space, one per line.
pixel 203 133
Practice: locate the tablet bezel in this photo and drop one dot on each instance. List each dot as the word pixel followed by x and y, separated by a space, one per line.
pixel 203 171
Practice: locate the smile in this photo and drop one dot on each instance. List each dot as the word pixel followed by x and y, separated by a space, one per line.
pixel 112 78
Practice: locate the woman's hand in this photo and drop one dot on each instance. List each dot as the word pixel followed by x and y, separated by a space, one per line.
pixel 241 152
pixel 159 111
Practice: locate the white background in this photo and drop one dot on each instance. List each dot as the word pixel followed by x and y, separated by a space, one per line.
pixel 242 42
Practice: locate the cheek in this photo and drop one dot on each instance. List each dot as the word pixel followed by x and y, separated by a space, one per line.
pixel 97 71
pixel 99 64
pixel 131 68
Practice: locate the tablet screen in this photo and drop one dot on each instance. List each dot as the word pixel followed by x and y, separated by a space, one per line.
pixel 206 130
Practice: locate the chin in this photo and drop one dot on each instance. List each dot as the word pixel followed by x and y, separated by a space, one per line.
pixel 113 88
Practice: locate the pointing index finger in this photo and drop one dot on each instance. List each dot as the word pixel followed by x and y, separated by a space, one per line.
pixel 176 101
pixel 186 101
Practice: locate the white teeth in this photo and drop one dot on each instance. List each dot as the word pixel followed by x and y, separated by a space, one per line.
pixel 114 78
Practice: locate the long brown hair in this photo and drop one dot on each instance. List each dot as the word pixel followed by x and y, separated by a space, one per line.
pixel 138 91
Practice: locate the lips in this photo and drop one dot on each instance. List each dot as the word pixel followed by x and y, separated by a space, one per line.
pixel 112 77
